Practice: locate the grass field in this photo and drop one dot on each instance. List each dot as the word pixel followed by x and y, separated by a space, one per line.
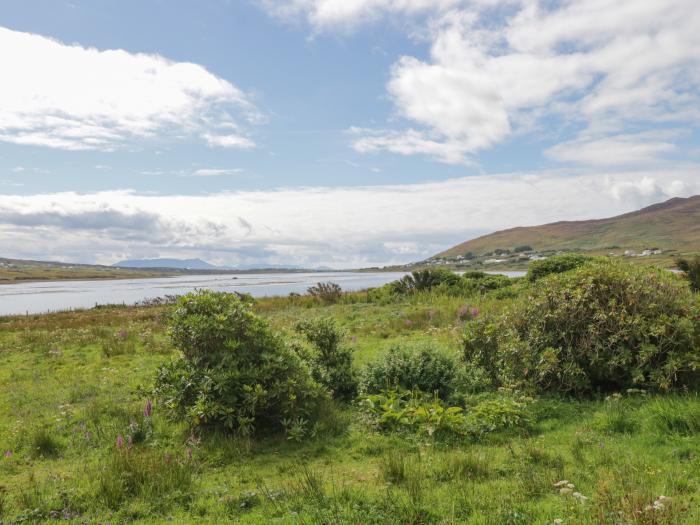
pixel 71 383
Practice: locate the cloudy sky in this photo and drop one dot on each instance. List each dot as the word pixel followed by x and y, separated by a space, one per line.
pixel 341 133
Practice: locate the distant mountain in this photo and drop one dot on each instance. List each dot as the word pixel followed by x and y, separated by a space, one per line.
pixel 181 264
pixel 670 225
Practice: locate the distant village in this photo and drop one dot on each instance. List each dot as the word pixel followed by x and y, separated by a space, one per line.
pixel 519 255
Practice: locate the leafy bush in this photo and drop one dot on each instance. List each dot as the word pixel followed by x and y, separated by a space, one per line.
pixel 234 373
pixel 605 326
pixel 413 411
pixel 691 271
pixel 327 293
pixel 503 412
pixel 423 280
pixel 556 264
pixel 331 364
pixel 421 367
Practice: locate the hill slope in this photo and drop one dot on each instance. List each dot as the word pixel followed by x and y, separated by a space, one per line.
pixel 181 264
pixel 671 225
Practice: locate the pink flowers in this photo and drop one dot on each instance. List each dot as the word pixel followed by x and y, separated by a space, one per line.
pixel 8 454
pixel 148 409
pixel 466 312
pixel 120 442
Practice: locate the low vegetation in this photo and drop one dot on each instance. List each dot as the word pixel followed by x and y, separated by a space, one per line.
pixel 439 399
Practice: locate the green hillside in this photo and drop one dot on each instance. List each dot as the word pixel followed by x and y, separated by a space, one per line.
pixel 672 226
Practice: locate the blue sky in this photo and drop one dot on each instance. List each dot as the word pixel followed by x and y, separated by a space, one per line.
pixel 328 132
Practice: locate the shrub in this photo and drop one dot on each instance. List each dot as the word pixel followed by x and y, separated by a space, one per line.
pixel 691 271
pixel 605 326
pixel 556 264
pixel 331 364
pixel 503 412
pixel 327 293
pixel 424 280
pixel 421 367
pixel 234 373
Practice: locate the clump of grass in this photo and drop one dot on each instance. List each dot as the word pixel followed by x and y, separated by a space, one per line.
pixel 463 466
pixel 617 417
pixel 43 443
pixel 153 476
pixel 674 415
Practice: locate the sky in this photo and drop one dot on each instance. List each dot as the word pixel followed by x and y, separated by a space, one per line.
pixel 339 133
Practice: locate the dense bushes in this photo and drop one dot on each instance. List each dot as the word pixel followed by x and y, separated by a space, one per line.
pixel 331 364
pixel 556 264
pixel 421 367
pixel 423 280
pixel 605 326
pixel 691 271
pixel 234 373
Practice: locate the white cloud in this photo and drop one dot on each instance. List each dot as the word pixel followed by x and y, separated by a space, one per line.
pixel 615 150
pixel 216 172
pixel 497 68
pixel 76 98
pixel 351 226
pixel 347 14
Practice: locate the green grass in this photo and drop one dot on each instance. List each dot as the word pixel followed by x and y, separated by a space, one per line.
pixel 72 383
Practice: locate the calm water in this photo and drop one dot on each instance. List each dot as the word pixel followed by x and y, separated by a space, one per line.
pixel 48 296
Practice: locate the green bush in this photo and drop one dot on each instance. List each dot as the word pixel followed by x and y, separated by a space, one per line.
pixel 556 264
pixel 606 326
pixel 691 271
pixel 423 280
pixel 331 364
pixel 421 367
pixel 234 373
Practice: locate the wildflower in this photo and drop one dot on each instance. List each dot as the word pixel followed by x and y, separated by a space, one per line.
pixel 475 312
pixel 580 497
pixel 54 352
pixel 189 454
pixel 354 339
pixel 562 483
pixel 148 409
pixel 558 521
pixel 129 442
pixel 565 490
pixel 571 485
pixel 463 311
pixel 8 454
pixel 408 323
pixel 120 442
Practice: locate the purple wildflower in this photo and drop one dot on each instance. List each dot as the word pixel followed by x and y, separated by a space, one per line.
pixel 8 454
pixel 122 334
pixel 475 312
pixel 408 323
pixel 120 442
pixel 148 409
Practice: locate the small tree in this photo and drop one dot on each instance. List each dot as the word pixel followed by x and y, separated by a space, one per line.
pixel 691 271
pixel 556 264
pixel 331 364
pixel 234 372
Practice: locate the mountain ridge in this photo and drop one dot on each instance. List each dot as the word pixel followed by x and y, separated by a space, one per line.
pixel 672 225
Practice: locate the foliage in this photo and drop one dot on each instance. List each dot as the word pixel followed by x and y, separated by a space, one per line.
pixel 326 293
pixel 691 271
pixel 605 326
pixel 556 264
pixel 413 411
pixel 498 413
pixel 421 367
pixel 234 372
pixel 423 280
pixel 331 364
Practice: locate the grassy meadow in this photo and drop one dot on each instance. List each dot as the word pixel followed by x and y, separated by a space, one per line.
pixel 72 385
